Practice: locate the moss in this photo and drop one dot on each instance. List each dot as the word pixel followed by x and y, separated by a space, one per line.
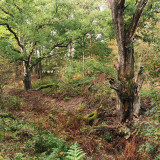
pixel 96 115
pixel 47 86
pixel 91 116
pixel 66 99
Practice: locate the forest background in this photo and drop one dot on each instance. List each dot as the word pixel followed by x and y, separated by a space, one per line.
pixel 56 61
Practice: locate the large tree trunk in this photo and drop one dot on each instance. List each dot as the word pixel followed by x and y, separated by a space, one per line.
pixel 27 81
pixel 128 88
pixel 128 97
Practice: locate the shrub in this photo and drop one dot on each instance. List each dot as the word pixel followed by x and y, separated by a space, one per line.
pixel 93 68
pixel 46 142
pixel 5 73
pixel 149 129
pixel 12 103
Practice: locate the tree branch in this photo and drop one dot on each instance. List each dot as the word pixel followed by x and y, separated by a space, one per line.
pixel 6 12
pixel 121 3
pixel 113 85
pixel 44 57
pixel 136 17
pixel 139 80
pixel 118 22
pixel 32 52
pixel 14 33
pixel 17 6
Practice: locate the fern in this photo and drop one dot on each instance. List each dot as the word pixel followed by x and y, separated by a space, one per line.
pixel 75 153
pixel 52 156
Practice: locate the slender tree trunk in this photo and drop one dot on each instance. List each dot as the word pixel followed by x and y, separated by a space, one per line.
pixel 39 70
pixel 27 69
pixel 91 54
pixel 70 50
pixel 83 46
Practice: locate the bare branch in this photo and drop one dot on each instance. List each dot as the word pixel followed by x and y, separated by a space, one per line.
pixel 136 18
pixel 17 6
pixel 139 80
pixel 14 33
pixel 113 85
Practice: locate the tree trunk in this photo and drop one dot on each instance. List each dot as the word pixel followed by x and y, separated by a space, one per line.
pixel 27 81
pixel 128 88
pixel 91 46
pixel 83 43
pixel 27 76
pixel 39 70
pixel 70 50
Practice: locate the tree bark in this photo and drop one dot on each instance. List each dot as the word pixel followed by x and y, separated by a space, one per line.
pixel 128 88
pixel 91 46
pixel 27 76
pixel 39 70
pixel 70 50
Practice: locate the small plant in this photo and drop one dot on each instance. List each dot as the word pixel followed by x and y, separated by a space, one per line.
pixel 46 142
pixel 13 103
pixel 75 153
pixel 66 98
pixel 149 128
pixel 108 137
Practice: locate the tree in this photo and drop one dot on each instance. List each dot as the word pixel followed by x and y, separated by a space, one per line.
pixel 28 32
pixel 128 87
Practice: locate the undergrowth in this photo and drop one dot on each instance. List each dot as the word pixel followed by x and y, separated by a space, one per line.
pixel 30 142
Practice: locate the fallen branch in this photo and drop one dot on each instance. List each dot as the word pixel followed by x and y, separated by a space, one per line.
pixel 46 86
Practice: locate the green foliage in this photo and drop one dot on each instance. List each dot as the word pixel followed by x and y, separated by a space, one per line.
pixel 12 103
pixel 93 68
pixel 146 148
pixel 5 73
pixel 153 70
pixel 75 153
pixel 45 81
pixel 46 142
pixel 149 129
pixel 29 140
pixel 108 137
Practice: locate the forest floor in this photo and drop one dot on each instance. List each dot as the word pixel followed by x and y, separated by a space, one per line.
pixel 66 119
pixel 88 118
